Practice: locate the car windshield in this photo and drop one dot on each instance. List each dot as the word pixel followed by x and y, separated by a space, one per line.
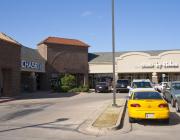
pixel 141 85
pixel 146 95
pixel 102 84
pixel 122 82
pixel 176 86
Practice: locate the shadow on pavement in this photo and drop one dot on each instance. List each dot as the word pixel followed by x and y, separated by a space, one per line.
pixel 174 120
pixel 44 94
pixel 18 114
pixel 23 112
pixel 42 125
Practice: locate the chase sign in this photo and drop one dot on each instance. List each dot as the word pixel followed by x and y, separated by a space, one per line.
pixel 31 65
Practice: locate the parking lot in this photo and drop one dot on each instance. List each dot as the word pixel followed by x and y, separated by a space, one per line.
pixel 150 129
pixel 61 118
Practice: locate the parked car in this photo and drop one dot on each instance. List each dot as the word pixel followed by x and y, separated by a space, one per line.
pixel 140 83
pixel 121 85
pixel 172 94
pixel 102 87
pixel 161 86
pixel 147 104
pixel 155 86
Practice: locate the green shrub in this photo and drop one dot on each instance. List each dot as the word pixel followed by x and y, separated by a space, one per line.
pixel 65 88
pixel 80 89
pixel 75 90
pixel 85 89
pixel 67 82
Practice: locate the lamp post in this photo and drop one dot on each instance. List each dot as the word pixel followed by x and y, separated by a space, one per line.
pixel 113 56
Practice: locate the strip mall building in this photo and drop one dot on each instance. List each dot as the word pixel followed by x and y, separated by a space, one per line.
pixel 136 65
pixel 24 69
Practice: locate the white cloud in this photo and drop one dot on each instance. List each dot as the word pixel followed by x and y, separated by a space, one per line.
pixel 86 13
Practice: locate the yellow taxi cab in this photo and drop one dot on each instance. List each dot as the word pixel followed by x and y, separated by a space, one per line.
pixel 147 104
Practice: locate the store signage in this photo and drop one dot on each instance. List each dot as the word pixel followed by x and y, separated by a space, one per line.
pixel 161 65
pixel 31 65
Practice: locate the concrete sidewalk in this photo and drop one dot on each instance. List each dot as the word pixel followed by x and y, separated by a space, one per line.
pixel 38 96
pixel 6 99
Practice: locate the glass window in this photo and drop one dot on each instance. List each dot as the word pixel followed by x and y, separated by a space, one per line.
pixel 102 84
pixel 142 85
pixel 176 86
pixel 147 95
pixel 123 82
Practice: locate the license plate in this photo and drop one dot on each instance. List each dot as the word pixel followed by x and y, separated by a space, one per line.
pixel 148 116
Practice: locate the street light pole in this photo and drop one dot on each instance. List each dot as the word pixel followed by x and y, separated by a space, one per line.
pixel 113 54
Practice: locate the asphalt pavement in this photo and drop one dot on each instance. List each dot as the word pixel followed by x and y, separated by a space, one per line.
pixel 50 118
pixel 61 118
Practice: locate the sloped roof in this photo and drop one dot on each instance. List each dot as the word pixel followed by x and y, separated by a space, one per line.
pixel 30 54
pixel 64 41
pixel 106 57
pixel 5 37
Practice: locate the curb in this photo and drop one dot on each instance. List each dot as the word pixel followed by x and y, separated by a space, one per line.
pixel 119 123
pixel 120 119
pixel 8 100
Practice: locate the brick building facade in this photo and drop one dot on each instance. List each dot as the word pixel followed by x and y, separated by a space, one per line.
pixel 9 66
pixel 64 56
pixel 23 69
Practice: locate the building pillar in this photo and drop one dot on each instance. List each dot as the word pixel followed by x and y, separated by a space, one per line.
pixel 1 86
pixel 86 79
pixel 154 77
pixel 116 76
pixel 34 82
pixel 15 82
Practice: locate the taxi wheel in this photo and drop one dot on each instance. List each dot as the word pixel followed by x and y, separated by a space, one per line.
pixel 172 102
pixel 177 107
pixel 131 120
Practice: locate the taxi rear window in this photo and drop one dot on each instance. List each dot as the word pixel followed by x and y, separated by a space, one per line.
pixel 146 95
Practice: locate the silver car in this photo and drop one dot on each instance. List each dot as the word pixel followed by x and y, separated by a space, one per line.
pixel 172 94
pixel 140 83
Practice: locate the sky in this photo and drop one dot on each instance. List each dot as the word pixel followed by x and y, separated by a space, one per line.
pixel 139 24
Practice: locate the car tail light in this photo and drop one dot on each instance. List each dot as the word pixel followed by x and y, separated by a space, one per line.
pixel 163 105
pixel 135 105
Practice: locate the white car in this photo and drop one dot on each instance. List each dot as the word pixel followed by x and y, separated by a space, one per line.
pixel 140 84
pixel 161 86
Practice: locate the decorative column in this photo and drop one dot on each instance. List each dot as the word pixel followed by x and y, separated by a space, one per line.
pixel 154 77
